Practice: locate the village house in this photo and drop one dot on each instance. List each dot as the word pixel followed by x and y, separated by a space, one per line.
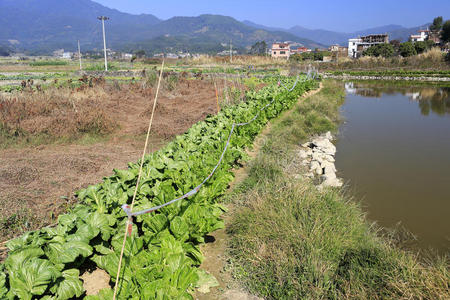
pixel 126 56
pixel 281 50
pixel 300 50
pixel 67 55
pixel 357 45
pixel 421 37
pixel 426 35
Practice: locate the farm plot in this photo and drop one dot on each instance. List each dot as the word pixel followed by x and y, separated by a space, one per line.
pixel 37 179
pixel 162 253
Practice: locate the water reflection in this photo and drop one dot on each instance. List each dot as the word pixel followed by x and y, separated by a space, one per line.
pixel 429 99
pixel 393 153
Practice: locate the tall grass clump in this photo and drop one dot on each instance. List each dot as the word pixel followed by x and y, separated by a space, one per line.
pixel 291 241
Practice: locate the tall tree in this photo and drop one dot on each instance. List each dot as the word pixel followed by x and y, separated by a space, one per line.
pixel 437 24
pixel 445 35
pixel 407 49
pixel 384 50
pixel 259 48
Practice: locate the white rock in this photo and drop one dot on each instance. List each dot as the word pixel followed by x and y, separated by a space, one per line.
pixel 328 136
pixel 330 171
pixel 315 166
pixel 329 158
pixel 328 165
pixel 317 156
pixel 319 171
pixel 326 146
pixel 332 182
pixel 306 145
pixel 303 154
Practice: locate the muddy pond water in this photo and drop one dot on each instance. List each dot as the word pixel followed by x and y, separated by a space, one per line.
pixel 393 151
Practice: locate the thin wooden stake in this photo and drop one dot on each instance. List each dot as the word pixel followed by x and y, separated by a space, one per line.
pixel 137 183
pixel 217 95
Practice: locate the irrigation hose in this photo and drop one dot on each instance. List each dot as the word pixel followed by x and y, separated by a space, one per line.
pixel 129 211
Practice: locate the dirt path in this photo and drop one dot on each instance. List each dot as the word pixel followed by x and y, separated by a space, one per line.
pixel 215 251
pixel 37 183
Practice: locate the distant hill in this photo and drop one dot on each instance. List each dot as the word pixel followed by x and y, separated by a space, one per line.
pixel 325 37
pixel 186 33
pixel 41 26
pixel 328 37
pixel 50 24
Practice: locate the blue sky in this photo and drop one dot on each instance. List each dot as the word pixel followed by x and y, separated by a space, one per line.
pixel 334 15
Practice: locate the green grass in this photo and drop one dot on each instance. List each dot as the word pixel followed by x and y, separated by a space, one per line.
pixel 291 241
pixel 101 67
pixel 48 63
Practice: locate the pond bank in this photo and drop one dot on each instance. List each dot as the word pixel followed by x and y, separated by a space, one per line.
pixel 291 241
pixel 394 78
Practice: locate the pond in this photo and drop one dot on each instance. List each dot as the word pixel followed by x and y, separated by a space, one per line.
pixel 393 151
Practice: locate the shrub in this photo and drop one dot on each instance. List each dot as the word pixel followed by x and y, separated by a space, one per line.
pixel 407 49
pixel 318 56
pixel 296 58
pixel 384 50
pixel 421 47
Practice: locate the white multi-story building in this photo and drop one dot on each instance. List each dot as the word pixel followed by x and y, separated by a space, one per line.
pixel 357 45
pixel 421 37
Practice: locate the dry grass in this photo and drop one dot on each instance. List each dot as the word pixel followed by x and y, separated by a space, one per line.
pixel 435 56
pixel 237 60
pixel 55 113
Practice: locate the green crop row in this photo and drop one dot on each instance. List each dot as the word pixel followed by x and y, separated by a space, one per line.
pixel 48 63
pixel 33 76
pixel 162 254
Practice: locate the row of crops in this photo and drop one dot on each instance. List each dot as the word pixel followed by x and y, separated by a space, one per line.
pixel 162 255
pixel 37 76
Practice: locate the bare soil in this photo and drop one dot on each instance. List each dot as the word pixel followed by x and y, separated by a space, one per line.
pixel 38 182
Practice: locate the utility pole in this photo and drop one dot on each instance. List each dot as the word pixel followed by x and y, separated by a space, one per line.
pixel 79 55
pixel 231 51
pixel 103 19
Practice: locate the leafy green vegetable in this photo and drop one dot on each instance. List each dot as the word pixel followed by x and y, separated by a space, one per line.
pixel 68 286
pixel 161 257
pixel 205 281
pixel 67 252
pixel 32 277
pixel 3 289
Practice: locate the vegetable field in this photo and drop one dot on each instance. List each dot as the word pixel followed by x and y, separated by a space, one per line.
pixel 162 253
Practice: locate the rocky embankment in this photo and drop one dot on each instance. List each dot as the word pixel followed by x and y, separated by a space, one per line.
pixel 319 157
pixel 367 77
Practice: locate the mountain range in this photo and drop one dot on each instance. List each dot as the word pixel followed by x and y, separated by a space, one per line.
pixel 42 26
pixel 328 37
